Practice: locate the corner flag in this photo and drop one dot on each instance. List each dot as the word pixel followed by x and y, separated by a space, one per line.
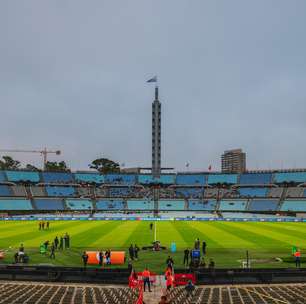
pixel 154 79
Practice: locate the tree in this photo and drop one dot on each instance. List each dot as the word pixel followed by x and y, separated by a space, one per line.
pixel 8 163
pixel 56 166
pixel 105 166
pixel 30 167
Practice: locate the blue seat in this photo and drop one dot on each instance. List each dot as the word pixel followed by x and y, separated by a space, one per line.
pixel 57 177
pixel 232 205
pixel 121 179
pixel 206 205
pixel 253 192
pixel 95 178
pixel 23 176
pixel 15 204
pixel 2 176
pixel 171 205
pixel 140 205
pixel 64 191
pixel 222 179
pixel 297 177
pixel 79 204
pixel 166 179
pixel 294 205
pixel 120 191
pixel 189 192
pixel 191 179
pixel 263 205
pixel 255 178
pixel 110 205
pixel 49 204
pixel 5 190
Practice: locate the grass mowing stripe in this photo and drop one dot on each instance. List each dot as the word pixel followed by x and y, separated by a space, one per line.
pixel 141 235
pixel 94 230
pixel 264 236
pixel 284 230
pixel 116 237
pixel 166 234
pixel 32 238
pixel 189 234
pixel 257 239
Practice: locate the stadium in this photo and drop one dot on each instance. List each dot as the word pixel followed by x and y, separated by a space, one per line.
pixel 125 231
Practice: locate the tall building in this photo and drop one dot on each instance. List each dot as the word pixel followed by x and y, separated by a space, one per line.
pixel 233 161
pixel 156 135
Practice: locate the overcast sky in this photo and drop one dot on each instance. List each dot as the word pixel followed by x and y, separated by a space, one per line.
pixel 232 74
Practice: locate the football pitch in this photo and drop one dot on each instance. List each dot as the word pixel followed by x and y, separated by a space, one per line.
pixel 227 242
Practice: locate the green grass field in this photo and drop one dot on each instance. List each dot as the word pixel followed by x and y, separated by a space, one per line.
pixel 227 242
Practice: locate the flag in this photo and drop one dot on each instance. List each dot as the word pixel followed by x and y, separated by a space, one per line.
pixel 154 79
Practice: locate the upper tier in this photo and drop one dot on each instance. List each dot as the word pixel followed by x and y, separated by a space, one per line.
pixel 165 179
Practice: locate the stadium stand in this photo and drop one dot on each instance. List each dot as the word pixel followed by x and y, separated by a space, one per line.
pixel 22 176
pixel 34 293
pixel 57 177
pixel 214 179
pixel 255 179
pixel 166 179
pixel 263 205
pixel 293 205
pixel 78 204
pixel 2 176
pixel 15 204
pixel 275 192
pixel 38 191
pixel 233 205
pixel 121 191
pixel 247 294
pixel 140 205
pixel 49 204
pixel 206 205
pixel 295 192
pixel 211 192
pixel 190 179
pixel 19 190
pixel 100 192
pixel 171 205
pixel 290 177
pixel 89 178
pixel 62 191
pixel 121 179
pixel 110 205
pixel 5 190
pixel 253 192
pixel 188 192
pixel 83 191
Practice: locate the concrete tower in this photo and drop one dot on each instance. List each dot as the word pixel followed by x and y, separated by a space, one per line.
pixel 156 135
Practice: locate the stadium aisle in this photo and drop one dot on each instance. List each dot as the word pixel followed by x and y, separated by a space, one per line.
pixel 157 291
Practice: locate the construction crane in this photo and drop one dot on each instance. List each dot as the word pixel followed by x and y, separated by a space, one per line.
pixel 43 152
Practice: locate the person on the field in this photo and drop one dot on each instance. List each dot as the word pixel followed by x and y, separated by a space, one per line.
pixel 169 280
pixel 46 244
pixel 47 225
pixel 186 256
pixel 52 248
pixel 108 256
pixel 130 266
pixel 297 256
pixel 136 250
pixel 100 258
pixel 39 226
pixel 151 226
pixel 197 244
pixel 56 242
pixel 67 240
pixel 204 247
pixel 211 264
pixel 131 252
pixel 43 225
pixel 169 262
pixel 85 259
pixel 146 279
